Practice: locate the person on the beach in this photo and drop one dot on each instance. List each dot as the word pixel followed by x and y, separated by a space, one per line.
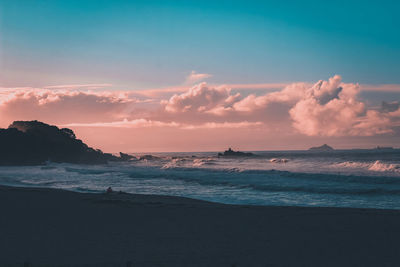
pixel 109 190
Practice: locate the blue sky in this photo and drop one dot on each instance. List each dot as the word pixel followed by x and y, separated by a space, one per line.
pixel 147 44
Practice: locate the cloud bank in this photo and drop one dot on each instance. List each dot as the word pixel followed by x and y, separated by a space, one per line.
pixel 325 108
pixel 63 106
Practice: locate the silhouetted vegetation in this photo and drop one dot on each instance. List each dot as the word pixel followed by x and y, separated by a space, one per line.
pixel 34 142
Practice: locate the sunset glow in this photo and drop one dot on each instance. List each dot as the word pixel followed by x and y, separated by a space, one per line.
pixel 144 86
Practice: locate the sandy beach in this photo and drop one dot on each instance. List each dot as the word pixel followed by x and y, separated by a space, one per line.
pixel 48 227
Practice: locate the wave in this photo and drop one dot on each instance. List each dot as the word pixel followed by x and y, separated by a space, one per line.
pixel 312 189
pixel 203 162
pixel 175 162
pixel 321 190
pixel 376 166
pixel 87 171
pixel 278 160
pixel 41 183
pixel 277 181
pixel 176 167
pixel 384 167
pixel 48 167
pixel 226 180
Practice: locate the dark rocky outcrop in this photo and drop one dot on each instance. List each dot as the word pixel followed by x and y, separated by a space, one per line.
pixel 231 153
pixel 34 143
pixel 148 157
pixel 324 147
pixel 126 157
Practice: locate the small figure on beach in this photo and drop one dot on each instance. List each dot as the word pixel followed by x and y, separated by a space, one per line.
pixel 109 190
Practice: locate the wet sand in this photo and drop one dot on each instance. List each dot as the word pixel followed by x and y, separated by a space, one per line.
pixel 48 227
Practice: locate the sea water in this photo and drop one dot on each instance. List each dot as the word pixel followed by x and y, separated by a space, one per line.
pixel 347 178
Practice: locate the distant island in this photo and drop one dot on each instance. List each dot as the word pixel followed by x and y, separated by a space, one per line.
pixel 324 147
pixel 231 153
pixel 35 143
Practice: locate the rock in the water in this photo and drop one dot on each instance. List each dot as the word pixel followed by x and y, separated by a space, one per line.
pixel 148 157
pixel 231 153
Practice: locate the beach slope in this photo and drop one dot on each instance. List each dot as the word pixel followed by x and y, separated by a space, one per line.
pixel 48 227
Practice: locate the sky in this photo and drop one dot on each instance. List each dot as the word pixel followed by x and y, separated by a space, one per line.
pixel 139 76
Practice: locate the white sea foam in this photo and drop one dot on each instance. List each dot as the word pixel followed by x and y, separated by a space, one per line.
pixel 278 160
pixel 346 179
pixel 376 166
pixel 174 163
pixel 384 167
pixel 203 161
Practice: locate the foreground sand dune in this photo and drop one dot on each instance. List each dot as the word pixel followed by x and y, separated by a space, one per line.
pixel 46 227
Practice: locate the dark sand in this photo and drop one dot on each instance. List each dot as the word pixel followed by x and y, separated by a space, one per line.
pixel 58 228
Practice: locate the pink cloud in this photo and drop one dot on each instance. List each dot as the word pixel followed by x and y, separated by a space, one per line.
pixel 203 102
pixel 63 106
pixel 326 108
pixel 144 123
pixel 224 125
pixel 136 123
pixel 331 108
pixel 195 77
pixel 91 86
pixel 160 92
pixel 257 86
pixel 198 98
pixel 167 92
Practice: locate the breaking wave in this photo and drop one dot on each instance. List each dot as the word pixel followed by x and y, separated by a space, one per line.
pixel 345 179
pixel 376 166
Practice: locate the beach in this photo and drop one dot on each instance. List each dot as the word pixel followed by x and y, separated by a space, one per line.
pixel 51 227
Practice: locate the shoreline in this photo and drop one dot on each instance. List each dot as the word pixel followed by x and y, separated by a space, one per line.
pixel 48 227
pixel 181 199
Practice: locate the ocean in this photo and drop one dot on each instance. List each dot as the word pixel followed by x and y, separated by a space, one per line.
pixel 340 178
